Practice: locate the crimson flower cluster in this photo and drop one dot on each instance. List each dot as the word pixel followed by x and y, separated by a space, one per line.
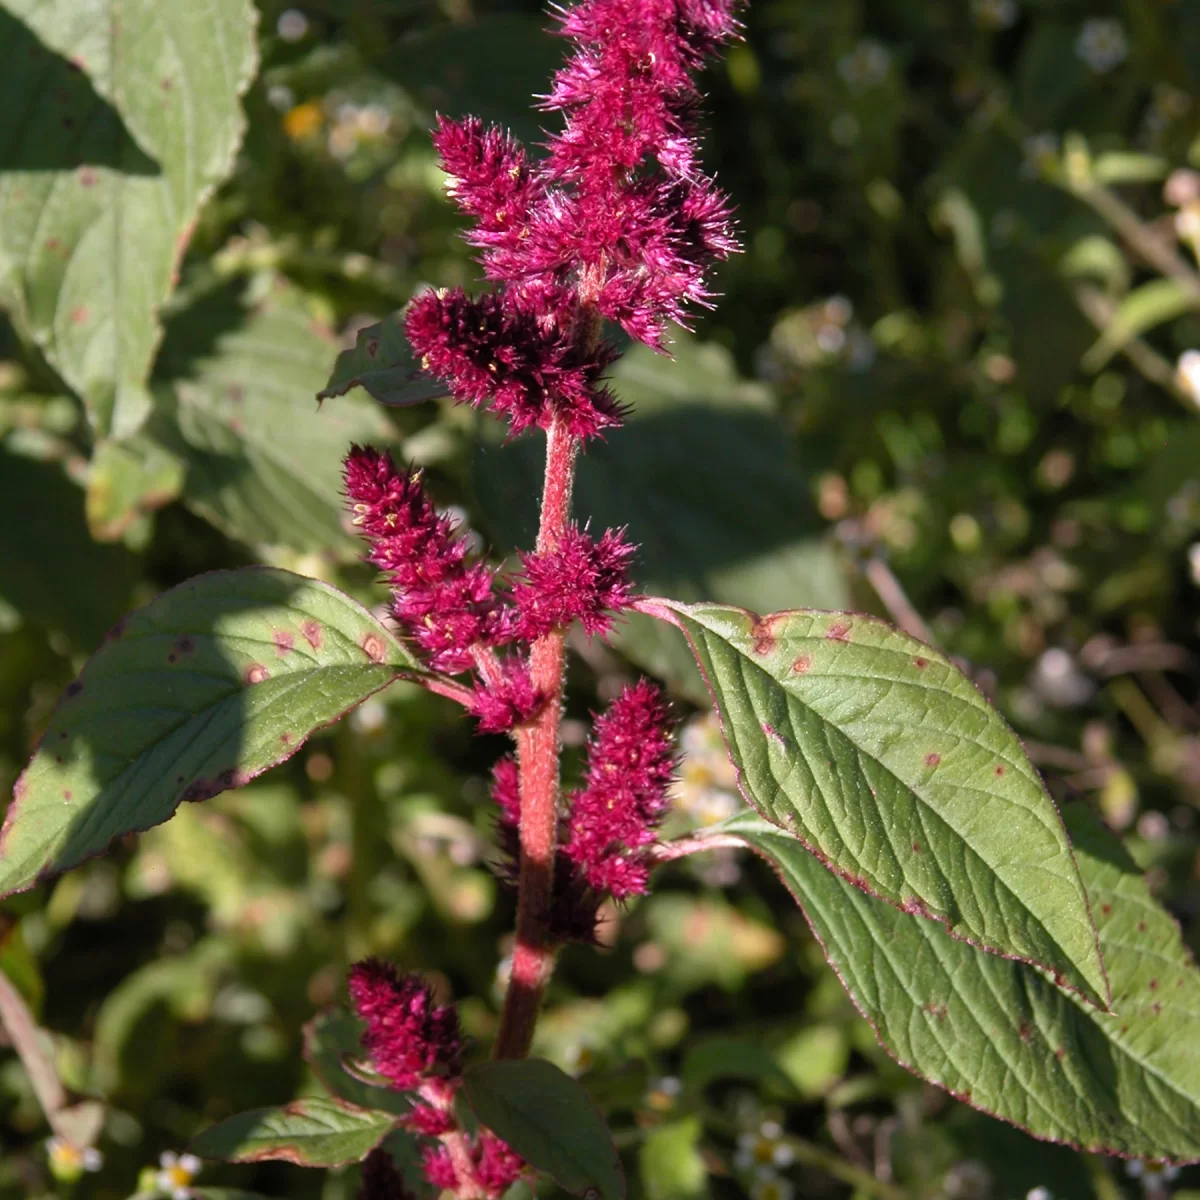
pixel 616 221
pixel 416 1045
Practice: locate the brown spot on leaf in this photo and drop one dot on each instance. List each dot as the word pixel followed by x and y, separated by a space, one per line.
pixel 1154 985
pixel 78 315
pixel 1106 909
pixel 184 645
pixel 838 632
pixel 373 647
pixel 764 639
pixel 1000 772
pixel 172 657
pixel 1060 1053
pixel 920 663
pixel 801 664
pixel 932 759
pixel 167 84
pixel 285 643
pixel 1156 1008
pixel 87 177
pixel 286 738
pixel 68 794
pixel 313 634
pixel 74 688
pixel 1024 1032
pixel 936 1011
pixel 256 673
pixel 371 346
pixel 1141 927
pixel 916 847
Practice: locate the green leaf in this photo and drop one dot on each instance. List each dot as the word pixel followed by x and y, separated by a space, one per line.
pixel 672 1166
pixel 235 383
pixel 877 754
pixel 127 480
pixel 757 545
pixel 382 363
pixel 729 1057
pixel 1125 166
pixel 127 116
pixel 549 1120
pixel 331 1039
pixel 998 1033
pixel 206 687
pixel 46 552
pixel 313 1132
pixel 1141 310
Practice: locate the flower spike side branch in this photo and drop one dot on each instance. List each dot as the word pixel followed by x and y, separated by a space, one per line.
pixel 616 224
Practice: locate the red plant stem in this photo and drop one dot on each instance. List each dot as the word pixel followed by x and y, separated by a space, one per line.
pixel 538 748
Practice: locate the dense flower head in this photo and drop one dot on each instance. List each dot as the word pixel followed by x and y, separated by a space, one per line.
pixel 508 700
pixel 579 579
pixel 408 1037
pixel 446 603
pixel 494 1165
pixel 618 216
pixel 439 1168
pixel 615 815
pixel 490 352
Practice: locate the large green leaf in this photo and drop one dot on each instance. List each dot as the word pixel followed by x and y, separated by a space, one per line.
pixel 203 689
pixel 313 1132
pixel 549 1120
pixel 998 1033
pixel 882 758
pixel 235 381
pixel 754 541
pixel 124 115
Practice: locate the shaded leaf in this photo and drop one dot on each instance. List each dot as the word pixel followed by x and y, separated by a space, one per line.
pixel 382 363
pixel 998 1033
pixel 47 552
pixel 1141 310
pixel 121 137
pixel 880 757
pixel 127 480
pixel 549 1120
pixel 313 1132
pixel 206 687
pixel 235 383
pixel 672 1167
pixel 333 1038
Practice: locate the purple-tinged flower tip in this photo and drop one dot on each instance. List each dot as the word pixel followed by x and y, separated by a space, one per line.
pixel 506 790
pixel 615 815
pixel 408 1037
pixel 439 1168
pixel 491 353
pixel 380 1180
pixel 497 1167
pixel 508 701
pixel 580 579
pixel 428 1120
pixel 446 604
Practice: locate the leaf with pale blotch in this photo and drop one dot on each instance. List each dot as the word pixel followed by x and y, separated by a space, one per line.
pixel 549 1120
pixel 381 362
pixel 126 116
pixel 314 1132
pixel 206 687
pixel 998 1033
pixel 877 754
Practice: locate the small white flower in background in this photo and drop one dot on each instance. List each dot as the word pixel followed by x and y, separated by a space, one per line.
pixel 995 14
pixel 770 1186
pixel 281 97
pixel 866 65
pixel 1187 374
pixel 663 1093
pixel 68 1162
pixel 176 1172
pixel 1182 187
pixel 1039 1193
pixel 1102 44
pixel 292 25
pixel 1194 562
pixel 764 1150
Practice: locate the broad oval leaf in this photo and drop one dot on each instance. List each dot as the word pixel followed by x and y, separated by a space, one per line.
pixel 549 1120
pixel 876 753
pixel 381 362
pixel 314 1132
pixel 997 1033
pixel 203 689
pixel 130 116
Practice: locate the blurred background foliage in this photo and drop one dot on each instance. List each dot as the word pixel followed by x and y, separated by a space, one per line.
pixel 951 380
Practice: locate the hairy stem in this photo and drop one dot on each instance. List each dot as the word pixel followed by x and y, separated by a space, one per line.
pixel 538 752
